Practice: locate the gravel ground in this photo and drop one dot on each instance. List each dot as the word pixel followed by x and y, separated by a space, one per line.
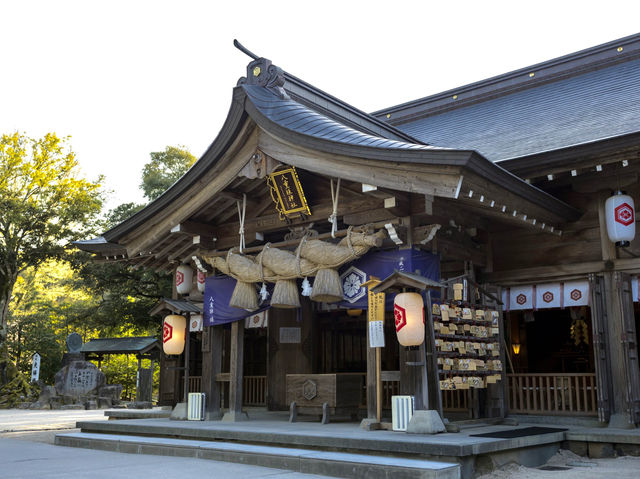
pixel 573 467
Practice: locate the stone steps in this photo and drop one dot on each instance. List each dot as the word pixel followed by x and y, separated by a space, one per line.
pixel 328 463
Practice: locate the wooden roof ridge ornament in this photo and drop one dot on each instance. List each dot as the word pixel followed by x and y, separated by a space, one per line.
pixel 261 72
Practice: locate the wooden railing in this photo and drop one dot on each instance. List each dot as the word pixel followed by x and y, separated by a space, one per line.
pixel 254 391
pixel 456 400
pixel 551 393
pixel 254 388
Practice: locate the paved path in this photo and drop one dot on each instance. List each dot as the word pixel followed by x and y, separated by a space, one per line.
pixel 27 451
pixel 35 420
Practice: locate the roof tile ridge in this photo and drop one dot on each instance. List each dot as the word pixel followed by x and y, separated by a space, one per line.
pixel 549 71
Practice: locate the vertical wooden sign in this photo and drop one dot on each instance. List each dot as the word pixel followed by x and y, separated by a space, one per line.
pixel 375 324
pixel 376 319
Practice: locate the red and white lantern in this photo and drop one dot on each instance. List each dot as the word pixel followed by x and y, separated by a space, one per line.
pixel 173 334
pixel 408 311
pixel 184 279
pixel 621 218
pixel 200 279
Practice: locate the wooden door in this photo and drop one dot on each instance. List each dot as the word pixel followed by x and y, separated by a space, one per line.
pixel 598 324
pixel 628 344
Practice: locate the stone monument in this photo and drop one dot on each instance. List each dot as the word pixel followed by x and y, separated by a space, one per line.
pixel 79 379
pixel 74 345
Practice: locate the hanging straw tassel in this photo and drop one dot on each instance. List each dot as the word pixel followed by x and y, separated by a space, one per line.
pixel 285 294
pixel 327 287
pixel 244 296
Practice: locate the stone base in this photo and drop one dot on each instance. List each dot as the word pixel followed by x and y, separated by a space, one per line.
pixel 425 422
pixel 235 416
pixel 599 450
pixel 212 415
pixel 621 421
pixel 179 412
pixel 72 407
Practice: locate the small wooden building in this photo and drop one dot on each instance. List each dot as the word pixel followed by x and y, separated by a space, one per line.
pixel 504 180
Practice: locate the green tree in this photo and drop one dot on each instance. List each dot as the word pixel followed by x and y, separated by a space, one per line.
pixel 165 168
pixel 44 310
pixel 44 205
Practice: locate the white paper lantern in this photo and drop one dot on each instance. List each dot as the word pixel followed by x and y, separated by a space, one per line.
pixel 173 333
pixel 408 310
pixel 621 218
pixel 200 279
pixel 184 279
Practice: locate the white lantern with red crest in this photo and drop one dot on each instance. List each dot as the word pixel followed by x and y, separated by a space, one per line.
pixel 200 280
pixel 408 311
pixel 621 218
pixel 173 334
pixel 184 279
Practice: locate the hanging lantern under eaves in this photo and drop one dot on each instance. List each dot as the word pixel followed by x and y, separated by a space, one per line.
pixel 200 279
pixel 173 334
pixel 408 311
pixel 184 279
pixel 621 218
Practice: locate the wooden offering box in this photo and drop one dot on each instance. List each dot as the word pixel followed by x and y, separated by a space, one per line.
pixel 342 392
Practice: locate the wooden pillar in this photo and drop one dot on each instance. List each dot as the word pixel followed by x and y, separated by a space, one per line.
pixel 212 338
pixel 406 380
pixel 139 380
pixel 236 373
pixel 372 401
pixel 616 371
pixel 187 360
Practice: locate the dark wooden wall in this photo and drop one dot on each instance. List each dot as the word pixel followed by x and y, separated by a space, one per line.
pixel 287 358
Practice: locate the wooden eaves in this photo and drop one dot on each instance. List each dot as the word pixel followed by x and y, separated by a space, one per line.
pixel 266 120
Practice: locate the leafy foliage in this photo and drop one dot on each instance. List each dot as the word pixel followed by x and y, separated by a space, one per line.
pixel 53 290
pixel 44 206
pixel 165 168
pixel 46 307
pixel 124 296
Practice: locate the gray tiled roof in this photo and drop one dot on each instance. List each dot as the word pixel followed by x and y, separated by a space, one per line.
pixel 297 117
pixel 120 345
pixel 593 106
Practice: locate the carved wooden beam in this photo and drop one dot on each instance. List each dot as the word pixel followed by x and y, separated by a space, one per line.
pixel 169 247
pixel 194 228
pixel 273 222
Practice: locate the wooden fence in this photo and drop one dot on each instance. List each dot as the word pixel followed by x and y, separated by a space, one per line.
pixel 563 394
pixel 254 391
pixel 254 388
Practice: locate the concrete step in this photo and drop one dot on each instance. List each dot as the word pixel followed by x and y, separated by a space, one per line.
pixel 328 463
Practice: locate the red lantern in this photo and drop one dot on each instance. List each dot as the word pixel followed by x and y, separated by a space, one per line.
pixel 621 218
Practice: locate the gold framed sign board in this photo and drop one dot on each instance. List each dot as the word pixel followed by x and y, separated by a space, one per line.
pixel 287 193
